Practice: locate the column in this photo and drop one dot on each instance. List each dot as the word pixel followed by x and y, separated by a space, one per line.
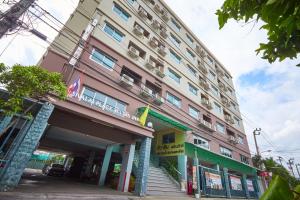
pixel 127 161
pixel 182 162
pixel 227 186
pixel 90 163
pixel 22 153
pixel 258 186
pixel 4 123
pixel 244 182
pixel 105 165
pixel 143 167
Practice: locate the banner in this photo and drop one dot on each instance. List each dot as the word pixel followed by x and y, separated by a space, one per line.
pixel 213 181
pixel 250 185
pixel 236 183
pixel 170 143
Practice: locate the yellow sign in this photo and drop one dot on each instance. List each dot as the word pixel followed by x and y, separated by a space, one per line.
pixel 170 143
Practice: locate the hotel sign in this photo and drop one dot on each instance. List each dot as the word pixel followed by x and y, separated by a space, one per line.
pixel 170 143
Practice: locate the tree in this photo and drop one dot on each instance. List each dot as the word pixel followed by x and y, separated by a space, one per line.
pixel 28 82
pixel 281 21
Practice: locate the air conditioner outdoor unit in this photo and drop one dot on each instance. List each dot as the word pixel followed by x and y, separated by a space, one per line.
pixel 142 13
pixel 160 73
pixel 133 52
pixel 232 139
pixel 146 92
pixel 162 51
pixel 155 24
pixel 150 64
pixel 153 42
pixel 138 30
pixel 165 15
pixel 126 81
pixel 164 33
pixel 157 8
pixel 158 100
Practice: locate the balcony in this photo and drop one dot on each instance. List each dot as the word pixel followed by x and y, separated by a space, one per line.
pixel 220 72
pixel 133 52
pixel 165 15
pixel 153 42
pixel 222 86
pixel 145 92
pixel 162 51
pixel 228 119
pixel 225 101
pixel 206 103
pixel 126 81
pixel 157 8
pixel 155 24
pixel 200 51
pixel 158 100
pixel 143 13
pixel 160 73
pixel 232 139
pixel 163 33
pixel 202 68
pixel 207 125
pixel 139 31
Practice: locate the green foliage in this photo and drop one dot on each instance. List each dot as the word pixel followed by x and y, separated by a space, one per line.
pixel 28 82
pixel 281 21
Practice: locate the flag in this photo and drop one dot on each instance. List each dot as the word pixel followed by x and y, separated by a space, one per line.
pixel 143 117
pixel 73 89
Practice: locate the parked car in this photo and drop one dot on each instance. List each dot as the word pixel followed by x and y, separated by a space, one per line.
pixel 54 170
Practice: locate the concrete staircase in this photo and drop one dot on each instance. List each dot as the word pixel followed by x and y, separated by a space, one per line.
pixel 161 184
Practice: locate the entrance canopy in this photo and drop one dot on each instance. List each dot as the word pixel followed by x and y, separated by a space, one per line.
pixel 213 158
pixel 166 120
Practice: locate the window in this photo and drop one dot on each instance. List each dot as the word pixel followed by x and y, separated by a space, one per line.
pixel 189 39
pixel 103 59
pixel 212 75
pixel 220 127
pixel 210 60
pixel 240 140
pixel 233 105
pixel 215 90
pixel 131 1
pixel 236 121
pixel 174 100
pixel 226 152
pixel 173 75
pixel 230 91
pixel 217 108
pixel 200 142
pixel 169 138
pixel 174 40
pixel 244 159
pixel 175 25
pixel 102 101
pixel 121 12
pixel 192 70
pixel 190 54
pixel 175 57
pixel 193 89
pixel 193 112
pixel 227 76
pixel 113 32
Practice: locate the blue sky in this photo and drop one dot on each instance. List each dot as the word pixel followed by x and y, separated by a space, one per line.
pixel 269 94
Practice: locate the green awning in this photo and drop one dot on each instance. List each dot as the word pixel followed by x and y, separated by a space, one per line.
pixel 165 119
pixel 213 158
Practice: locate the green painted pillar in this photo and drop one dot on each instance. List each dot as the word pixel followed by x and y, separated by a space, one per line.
pixel 182 168
pixel 227 185
pixel 127 161
pixel 5 122
pixel 105 165
pixel 258 186
pixel 22 152
pixel 244 182
pixel 196 164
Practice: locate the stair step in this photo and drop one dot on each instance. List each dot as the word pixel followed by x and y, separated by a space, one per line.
pixel 155 181
pixel 163 186
pixel 166 193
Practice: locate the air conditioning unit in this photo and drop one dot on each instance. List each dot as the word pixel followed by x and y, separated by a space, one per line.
pixel 146 92
pixel 143 13
pixel 157 8
pixel 133 52
pixel 204 84
pixel 126 81
pixel 155 24
pixel 224 100
pixel 153 42
pixel 158 100
pixel 220 72
pixel 162 51
pixel 139 31
pixel 207 125
pixel 202 67
pixel 163 33
pixel 160 73
pixel 150 64
pixel 200 51
pixel 165 15
pixel 229 119
pixel 232 139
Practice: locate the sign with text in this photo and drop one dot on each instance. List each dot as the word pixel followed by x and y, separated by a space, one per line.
pixel 213 181
pixel 250 185
pixel 236 183
pixel 170 143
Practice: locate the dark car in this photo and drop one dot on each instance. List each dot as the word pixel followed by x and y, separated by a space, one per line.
pixel 54 170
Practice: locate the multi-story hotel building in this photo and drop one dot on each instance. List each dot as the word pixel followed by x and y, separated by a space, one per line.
pixel 130 54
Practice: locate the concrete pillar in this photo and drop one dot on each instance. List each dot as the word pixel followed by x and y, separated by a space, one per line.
pixel 66 161
pixel 143 167
pixel 182 168
pixel 258 186
pixel 105 165
pixel 227 185
pixel 244 182
pixel 22 153
pixel 90 163
pixel 5 122
pixel 217 167
pixel 127 161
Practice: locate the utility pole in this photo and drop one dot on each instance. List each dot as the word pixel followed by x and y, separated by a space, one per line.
pixel 298 165
pixel 255 133
pixel 9 19
pixel 280 160
pixel 290 163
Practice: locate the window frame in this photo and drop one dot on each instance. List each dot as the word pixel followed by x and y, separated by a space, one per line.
pixel 175 57
pixel 192 70
pixel 173 97
pixel 175 25
pixel 224 151
pixel 216 105
pixel 115 31
pixel 215 90
pixel 174 76
pixel 175 40
pixel 194 90
pixel 102 63
pixel 204 141
pixel 118 10
pixel 218 124
pixel 191 108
